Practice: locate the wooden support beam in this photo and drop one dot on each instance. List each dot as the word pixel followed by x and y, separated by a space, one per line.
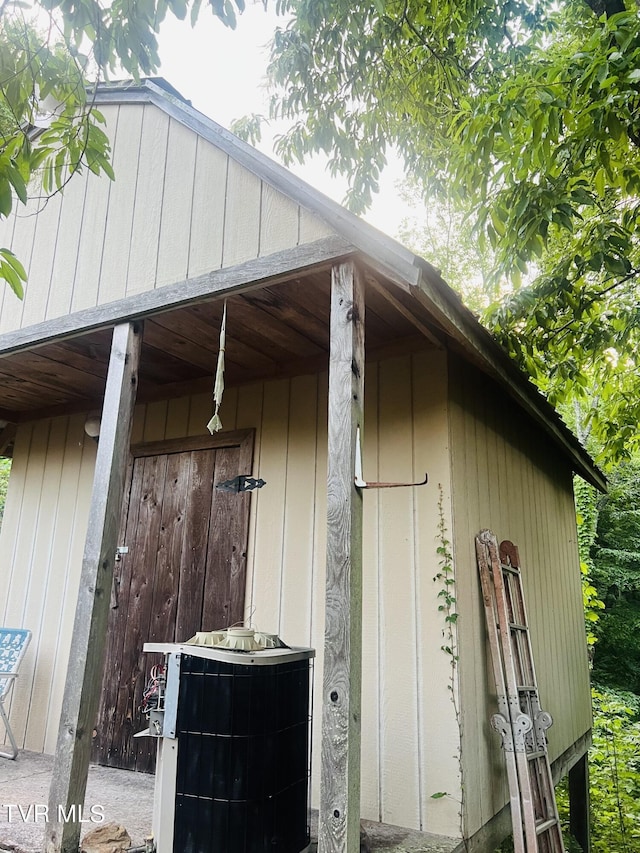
pixel 579 803
pixel 7 436
pixel 397 305
pixel 339 818
pixel 249 275
pixel 84 674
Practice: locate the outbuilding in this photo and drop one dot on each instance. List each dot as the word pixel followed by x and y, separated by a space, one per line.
pixel 336 337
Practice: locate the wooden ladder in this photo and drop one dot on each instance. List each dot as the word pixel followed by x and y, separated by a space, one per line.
pixel 520 720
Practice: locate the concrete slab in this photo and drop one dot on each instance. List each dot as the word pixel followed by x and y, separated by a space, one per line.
pixel 118 795
pixel 127 798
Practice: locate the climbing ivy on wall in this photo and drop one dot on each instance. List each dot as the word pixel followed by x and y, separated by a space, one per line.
pixel 5 467
pixel 586 499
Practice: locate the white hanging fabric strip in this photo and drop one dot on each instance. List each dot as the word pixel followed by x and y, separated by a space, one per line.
pixel 215 424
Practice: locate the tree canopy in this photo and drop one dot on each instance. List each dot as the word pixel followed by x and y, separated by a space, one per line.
pixel 525 112
pixel 51 57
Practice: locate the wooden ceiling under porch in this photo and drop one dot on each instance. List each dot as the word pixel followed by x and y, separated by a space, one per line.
pixel 273 329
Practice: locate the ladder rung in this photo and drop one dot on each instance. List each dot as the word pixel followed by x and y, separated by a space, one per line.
pixel 510 569
pixel 527 688
pixel 531 756
pixel 544 825
pixel 516 626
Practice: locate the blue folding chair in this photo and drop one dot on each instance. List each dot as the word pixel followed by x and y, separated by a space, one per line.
pixel 13 645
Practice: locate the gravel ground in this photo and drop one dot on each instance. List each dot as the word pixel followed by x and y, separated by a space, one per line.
pixel 127 798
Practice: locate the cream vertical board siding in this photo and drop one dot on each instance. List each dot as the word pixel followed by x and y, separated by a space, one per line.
pixel 97 197
pixel 118 225
pixel 410 737
pixel 149 202
pixel 371 783
pixel 179 207
pixel 173 246
pixel 398 635
pixel 41 544
pixel 21 244
pixel 435 670
pixel 7 227
pixel 40 272
pixel 63 268
pixel 508 477
pixel 296 590
pixel 270 507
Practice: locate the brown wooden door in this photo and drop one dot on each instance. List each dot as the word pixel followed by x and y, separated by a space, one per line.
pixel 184 572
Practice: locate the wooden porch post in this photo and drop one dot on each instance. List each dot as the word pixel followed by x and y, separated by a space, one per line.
pixel 579 803
pixel 80 701
pixel 339 819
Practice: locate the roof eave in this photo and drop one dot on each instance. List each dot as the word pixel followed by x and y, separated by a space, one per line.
pixel 385 255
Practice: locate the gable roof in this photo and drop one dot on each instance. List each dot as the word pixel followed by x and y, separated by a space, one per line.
pixel 418 282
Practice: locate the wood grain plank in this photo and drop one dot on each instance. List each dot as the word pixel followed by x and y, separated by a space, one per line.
pixel 225 558
pixel 167 339
pixel 282 304
pixel 169 550
pixel 123 748
pixel 164 599
pixel 79 354
pixel 339 816
pixel 201 326
pixel 90 626
pixel 254 341
pixel 193 560
pixel 123 575
pixel 201 441
pixel 276 331
pixel 245 276
pixel 53 375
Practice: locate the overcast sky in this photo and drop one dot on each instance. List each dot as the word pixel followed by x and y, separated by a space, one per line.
pixel 221 72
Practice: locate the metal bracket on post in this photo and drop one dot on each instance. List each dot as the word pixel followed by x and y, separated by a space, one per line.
pixel 361 482
pixel 542 722
pixel 513 735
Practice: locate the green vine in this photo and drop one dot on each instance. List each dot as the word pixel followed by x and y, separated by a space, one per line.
pixel 446 595
pixel 446 578
pixel 587 519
